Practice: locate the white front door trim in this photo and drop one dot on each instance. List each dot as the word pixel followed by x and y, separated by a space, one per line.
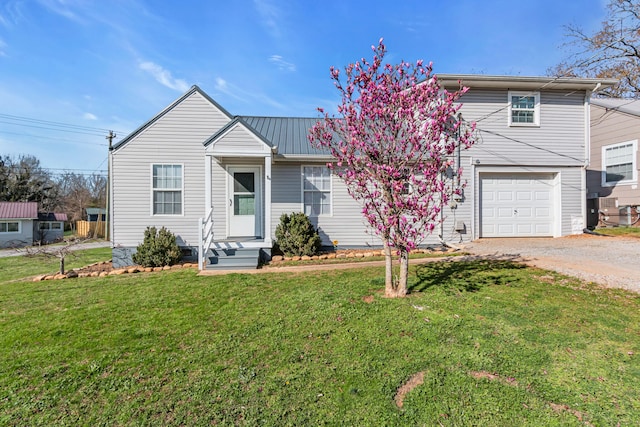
pixel 246 226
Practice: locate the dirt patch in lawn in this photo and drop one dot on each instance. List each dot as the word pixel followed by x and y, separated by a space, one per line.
pixel 413 382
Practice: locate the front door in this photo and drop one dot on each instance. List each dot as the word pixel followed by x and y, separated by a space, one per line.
pixel 244 201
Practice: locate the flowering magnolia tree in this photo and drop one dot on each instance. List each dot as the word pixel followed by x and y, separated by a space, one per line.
pixel 393 142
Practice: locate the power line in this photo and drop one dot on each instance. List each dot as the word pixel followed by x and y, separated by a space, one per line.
pixel 48 138
pixel 51 123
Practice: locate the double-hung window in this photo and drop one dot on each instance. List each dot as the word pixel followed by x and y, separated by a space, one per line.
pixel 10 227
pixel 524 108
pixel 50 226
pixel 316 188
pixel 619 164
pixel 167 189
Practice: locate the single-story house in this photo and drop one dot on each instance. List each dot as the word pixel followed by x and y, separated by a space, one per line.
pixel 22 225
pixel 221 182
pixel 613 196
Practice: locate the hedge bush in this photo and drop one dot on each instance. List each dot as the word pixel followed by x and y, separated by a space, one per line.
pixel 159 248
pixel 296 236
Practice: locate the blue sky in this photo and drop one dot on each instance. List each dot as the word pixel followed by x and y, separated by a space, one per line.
pixel 72 69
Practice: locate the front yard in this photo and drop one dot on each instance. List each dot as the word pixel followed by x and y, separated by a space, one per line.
pixel 492 342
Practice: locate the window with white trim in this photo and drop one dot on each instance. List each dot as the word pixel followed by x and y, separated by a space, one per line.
pixel 524 108
pixel 619 164
pixel 316 188
pixel 43 225
pixel 167 189
pixel 10 227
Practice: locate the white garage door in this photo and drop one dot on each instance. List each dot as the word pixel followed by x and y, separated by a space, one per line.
pixel 516 205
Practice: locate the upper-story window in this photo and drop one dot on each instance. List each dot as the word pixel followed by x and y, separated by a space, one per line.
pixel 167 189
pixel 619 164
pixel 316 188
pixel 524 108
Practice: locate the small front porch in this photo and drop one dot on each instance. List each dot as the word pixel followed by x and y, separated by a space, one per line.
pixel 236 232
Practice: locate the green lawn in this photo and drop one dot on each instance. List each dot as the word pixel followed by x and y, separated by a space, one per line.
pixel 17 267
pixel 497 343
pixel 620 231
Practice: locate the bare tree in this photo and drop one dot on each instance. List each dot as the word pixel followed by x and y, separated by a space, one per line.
pixel 611 52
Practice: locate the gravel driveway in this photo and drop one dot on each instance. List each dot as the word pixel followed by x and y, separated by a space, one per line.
pixel 610 261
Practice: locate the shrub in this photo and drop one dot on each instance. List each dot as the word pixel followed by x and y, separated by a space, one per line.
pixel 296 236
pixel 158 249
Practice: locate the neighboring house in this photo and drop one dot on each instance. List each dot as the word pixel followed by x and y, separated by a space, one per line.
pixel 50 227
pixel 96 214
pixel 94 226
pixel 613 196
pixel 22 225
pixel 221 182
pixel 17 221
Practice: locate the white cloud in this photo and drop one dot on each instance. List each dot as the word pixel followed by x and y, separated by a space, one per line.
pixel 62 8
pixel 244 96
pixel 270 16
pixel 281 63
pixel 221 85
pixel 164 77
pixel 89 116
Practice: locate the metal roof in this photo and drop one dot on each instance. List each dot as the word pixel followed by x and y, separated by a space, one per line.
pixel 18 210
pixel 96 211
pixel 288 134
pixel 52 216
pixel 629 106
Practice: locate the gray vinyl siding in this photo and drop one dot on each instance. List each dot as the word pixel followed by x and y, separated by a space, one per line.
pixel 611 127
pixel 239 140
pixel 572 199
pixel 559 140
pixel 345 224
pixel 24 238
pixel 175 138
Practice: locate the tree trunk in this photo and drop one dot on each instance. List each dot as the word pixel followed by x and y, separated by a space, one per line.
pixel 61 265
pixel 401 287
pixel 389 289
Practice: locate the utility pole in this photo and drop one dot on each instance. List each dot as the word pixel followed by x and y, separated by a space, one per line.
pixel 106 216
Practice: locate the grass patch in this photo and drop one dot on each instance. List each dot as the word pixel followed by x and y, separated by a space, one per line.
pixel 620 231
pixel 349 260
pixel 495 342
pixel 19 267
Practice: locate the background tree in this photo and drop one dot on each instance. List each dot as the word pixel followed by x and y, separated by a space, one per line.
pixel 22 179
pixel 78 192
pixel 611 52
pixel 393 142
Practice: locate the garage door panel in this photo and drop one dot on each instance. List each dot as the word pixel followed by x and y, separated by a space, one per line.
pixel 543 213
pixel 516 205
pixel 504 195
pixel 505 229
pixel 505 212
pixel 524 229
pixel 524 213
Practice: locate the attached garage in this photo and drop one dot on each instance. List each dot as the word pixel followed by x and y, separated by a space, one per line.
pixel 517 204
